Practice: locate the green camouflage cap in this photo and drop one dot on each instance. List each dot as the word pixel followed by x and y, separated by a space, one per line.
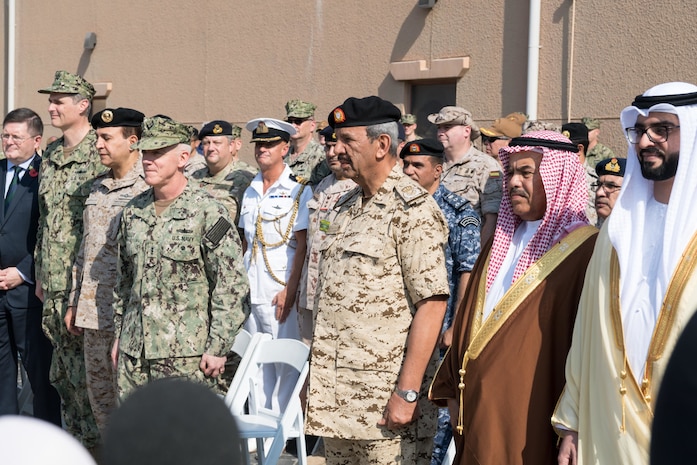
pixel 591 123
pixel 159 132
pixel 408 118
pixel 236 131
pixel 300 109
pixel 69 83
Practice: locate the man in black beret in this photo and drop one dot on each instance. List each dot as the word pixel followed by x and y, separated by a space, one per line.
pixel 225 177
pixel 423 162
pixel 610 176
pixel 368 384
pixel 578 134
pixel 90 313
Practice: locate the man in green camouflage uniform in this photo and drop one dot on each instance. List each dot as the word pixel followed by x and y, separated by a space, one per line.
pixel 409 122
pixel 91 313
pixel 306 156
pixel 383 292
pixel 69 167
pixel 596 150
pixel 225 177
pixel 182 291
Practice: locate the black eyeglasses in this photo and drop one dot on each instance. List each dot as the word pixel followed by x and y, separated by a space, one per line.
pixel 297 121
pixel 608 187
pixel 656 134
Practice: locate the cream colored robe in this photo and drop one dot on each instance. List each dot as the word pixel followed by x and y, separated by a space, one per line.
pixel 615 428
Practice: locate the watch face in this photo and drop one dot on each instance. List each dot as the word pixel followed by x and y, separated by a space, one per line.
pixel 411 396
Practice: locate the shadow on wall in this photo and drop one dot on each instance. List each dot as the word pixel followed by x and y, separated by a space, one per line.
pixel 514 56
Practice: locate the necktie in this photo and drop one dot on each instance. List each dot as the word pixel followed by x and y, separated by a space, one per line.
pixel 13 186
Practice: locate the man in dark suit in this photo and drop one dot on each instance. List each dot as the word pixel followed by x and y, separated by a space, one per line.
pixel 20 309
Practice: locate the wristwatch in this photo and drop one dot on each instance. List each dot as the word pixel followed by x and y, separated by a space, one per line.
pixel 409 395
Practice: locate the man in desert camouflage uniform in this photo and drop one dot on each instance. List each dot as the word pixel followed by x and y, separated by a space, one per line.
pixel 182 291
pixel 596 150
pixel 69 167
pixel 225 177
pixel 467 172
pixel 306 156
pixel 322 214
pixel 383 292
pixel 90 313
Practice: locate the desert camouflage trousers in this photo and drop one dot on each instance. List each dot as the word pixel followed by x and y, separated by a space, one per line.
pixel 401 451
pixel 101 377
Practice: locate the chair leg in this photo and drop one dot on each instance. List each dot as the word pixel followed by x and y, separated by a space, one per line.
pixel 245 452
pixel 302 449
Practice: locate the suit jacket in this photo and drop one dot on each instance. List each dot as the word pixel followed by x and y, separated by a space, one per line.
pixel 18 226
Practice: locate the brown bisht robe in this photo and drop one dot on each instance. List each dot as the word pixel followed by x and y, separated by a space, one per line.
pixel 512 384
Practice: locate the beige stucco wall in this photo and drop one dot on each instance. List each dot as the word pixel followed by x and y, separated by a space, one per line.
pixel 197 61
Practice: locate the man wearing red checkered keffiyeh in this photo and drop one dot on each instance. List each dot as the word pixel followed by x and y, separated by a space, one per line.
pixel 505 369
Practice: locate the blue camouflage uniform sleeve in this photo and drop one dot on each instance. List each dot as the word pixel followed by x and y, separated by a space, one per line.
pixel 464 239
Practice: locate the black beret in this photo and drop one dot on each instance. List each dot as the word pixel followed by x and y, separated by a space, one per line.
pixel 216 128
pixel 426 147
pixel 329 134
pixel 576 132
pixel 613 166
pixel 365 111
pixel 117 117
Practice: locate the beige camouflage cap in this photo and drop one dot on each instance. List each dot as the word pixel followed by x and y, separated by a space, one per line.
pixel 69 83
pixel 408 118
pixel 159 132
pixel 591 123
pixel 455 115
pixel 300 109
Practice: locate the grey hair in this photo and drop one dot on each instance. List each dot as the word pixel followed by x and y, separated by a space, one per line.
pixel 391 129
pixel 77 98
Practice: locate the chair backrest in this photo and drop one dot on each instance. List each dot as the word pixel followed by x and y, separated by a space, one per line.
pixel 278 351
pixel 244 346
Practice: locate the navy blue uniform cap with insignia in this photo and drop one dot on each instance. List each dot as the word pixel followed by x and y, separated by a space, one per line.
pixel 117 117
pixel 329 134
pixel 426 147
pixel 612 166
pixel 215 128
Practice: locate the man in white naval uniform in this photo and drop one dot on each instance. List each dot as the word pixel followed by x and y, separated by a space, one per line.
pixel 274 218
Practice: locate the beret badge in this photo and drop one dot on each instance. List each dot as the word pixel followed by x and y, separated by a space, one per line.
pixel 339 115
pixel 217 129
pixel 107 116
pixel 414 148
pixel 613 166
pixel 566 134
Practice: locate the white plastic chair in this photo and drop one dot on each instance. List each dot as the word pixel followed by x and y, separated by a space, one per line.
pixel 270 429
pixel 243 346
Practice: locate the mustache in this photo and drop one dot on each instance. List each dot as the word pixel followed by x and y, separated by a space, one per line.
pixel 652 151
pixel 516 191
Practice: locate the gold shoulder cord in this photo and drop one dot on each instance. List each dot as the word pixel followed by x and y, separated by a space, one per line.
pixel 666 318
pixel 285 236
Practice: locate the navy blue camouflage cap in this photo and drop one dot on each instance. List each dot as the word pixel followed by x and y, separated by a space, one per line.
pixel 69 83
pixel 160 131
pixel 424 147
pixel 117 117
pixel 365 111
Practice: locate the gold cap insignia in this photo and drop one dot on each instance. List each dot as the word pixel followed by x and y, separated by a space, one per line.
pixel 414 148
pixel 566 134
pixel 217 129
pixel 107 116
pixel 613 166
pixel 262 128
pixel 339 115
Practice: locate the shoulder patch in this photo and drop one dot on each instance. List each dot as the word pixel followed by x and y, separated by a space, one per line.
pixel 469 221
pixel 410 192
pixel 218 231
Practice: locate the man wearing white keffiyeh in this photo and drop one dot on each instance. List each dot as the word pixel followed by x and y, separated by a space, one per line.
pixel 505 368
pixel 640 288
